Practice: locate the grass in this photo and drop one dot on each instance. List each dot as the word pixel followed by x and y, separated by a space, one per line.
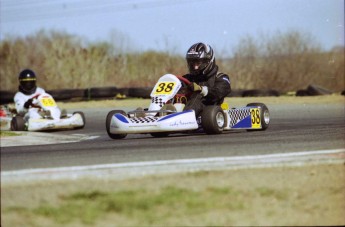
pixel 140 204
pixel 8 133
pixel 304 195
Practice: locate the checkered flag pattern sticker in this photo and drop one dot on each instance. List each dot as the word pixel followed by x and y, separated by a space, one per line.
pixel 157 100
pixel 238 115
pixel 140 120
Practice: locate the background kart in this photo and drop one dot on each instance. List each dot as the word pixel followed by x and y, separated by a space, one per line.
pixel 165 114
pixel 51 117
pixel 6 115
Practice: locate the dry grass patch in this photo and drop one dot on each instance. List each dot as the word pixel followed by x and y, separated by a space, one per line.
pixel 306 195
pixel 9 133
pixel 327 99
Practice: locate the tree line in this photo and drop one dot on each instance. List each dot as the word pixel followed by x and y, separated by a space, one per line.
pixel 283 61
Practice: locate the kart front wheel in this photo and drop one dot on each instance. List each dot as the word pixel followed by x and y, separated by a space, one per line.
pixel 17 123
pixel 108 121
pixel 213 119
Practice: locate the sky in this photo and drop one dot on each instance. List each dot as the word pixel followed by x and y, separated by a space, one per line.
pixel 174 25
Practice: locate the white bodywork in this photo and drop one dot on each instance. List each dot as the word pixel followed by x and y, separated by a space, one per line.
pixel 165 89
pixel 41 124
pixel 46 102
pixel 181 121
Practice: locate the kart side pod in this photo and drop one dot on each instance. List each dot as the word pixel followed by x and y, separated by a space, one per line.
pixel 118 123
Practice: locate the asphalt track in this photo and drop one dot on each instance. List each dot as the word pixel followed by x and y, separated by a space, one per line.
pixel 293 128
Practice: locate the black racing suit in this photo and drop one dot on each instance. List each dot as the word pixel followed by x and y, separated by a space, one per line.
pixel 218 86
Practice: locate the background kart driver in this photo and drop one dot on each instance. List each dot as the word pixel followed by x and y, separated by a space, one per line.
pixel 27 92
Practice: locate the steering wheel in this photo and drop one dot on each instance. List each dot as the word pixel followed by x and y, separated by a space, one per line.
pixel 184 91
pixel 183 80
pixel 35 105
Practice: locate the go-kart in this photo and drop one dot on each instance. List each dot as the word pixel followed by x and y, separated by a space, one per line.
pixel 5 118
pixel 165 114
pixel 51 117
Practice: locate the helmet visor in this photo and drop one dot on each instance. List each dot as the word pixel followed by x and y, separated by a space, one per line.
pixel 28 83
pixel 197 65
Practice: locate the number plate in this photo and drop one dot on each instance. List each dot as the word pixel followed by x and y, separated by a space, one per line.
pixel 255 117
pixel 48 102
pixel 164 88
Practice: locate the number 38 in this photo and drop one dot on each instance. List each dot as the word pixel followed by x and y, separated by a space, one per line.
pixel 165 87
pixel 255 115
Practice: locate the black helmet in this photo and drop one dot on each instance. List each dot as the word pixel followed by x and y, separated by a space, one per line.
pixel 27 81
pixel 200 59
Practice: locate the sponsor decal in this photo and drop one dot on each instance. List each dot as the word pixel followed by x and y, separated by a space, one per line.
pixel 181 123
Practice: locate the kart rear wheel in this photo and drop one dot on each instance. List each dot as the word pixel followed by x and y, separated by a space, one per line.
pixel 264 116
pixel 83 117
pixel 107 124
pixel 17 123
pixel 213 119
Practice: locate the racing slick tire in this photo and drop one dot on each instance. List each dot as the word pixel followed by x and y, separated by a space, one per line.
pixel 107 124
pixel 83 117
pixel 213 119
pixel 18 123
pixel 264 116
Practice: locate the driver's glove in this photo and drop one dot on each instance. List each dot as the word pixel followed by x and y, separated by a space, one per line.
pixel 28 103
pixel 194 87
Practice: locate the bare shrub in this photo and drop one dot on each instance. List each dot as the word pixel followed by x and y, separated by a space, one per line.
pixel 285 61
pixel 63 61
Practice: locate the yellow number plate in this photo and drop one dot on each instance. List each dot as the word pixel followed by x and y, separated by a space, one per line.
pixel 255 116
pixel 164 88
pixel 48 102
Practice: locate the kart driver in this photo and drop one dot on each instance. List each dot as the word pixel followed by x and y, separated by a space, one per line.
pixel 209 86
pixel 24 97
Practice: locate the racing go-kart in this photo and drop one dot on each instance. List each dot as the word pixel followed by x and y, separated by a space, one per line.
pixel 5 118
pixel 165 114
pixel 51 117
